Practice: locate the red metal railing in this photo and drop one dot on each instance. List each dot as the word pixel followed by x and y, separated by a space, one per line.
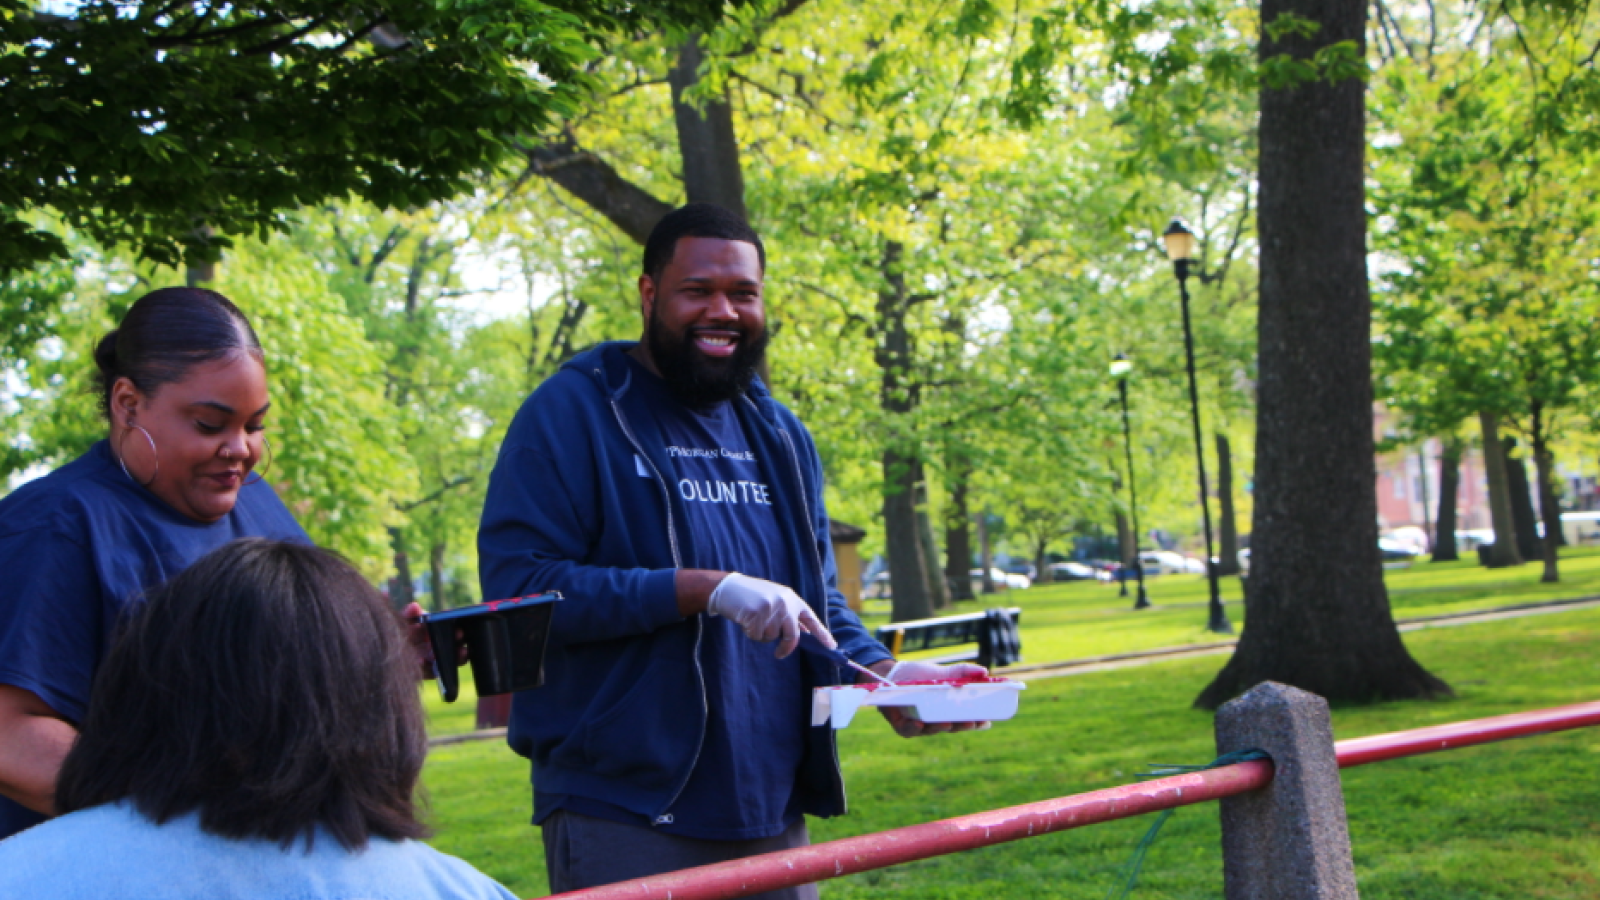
pixel 787 868
pixel 818 862
pixel 1379 747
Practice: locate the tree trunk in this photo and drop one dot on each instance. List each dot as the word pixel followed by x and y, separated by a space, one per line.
pixel 400 593
pixel 1522 516
pixel 200 273
pixel 436 577
pixel 938 590
pixel 1544 466
pixel 1228 528
pixel 706 140
pixel 986 555
pixel 1317 614
pixel 1125 546
pixel 908 572
pixel 1504 552
pixel 897 396
pixel 707 143
pixel 958 538
pixel 1422 481
pixel 1444 529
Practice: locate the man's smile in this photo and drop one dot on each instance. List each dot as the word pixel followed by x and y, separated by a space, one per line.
pixel 717 343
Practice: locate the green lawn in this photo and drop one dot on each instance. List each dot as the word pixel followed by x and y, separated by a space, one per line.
pixel 1519 819
pixel 1081 619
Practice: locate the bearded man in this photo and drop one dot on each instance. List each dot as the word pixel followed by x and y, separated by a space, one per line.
pixel 678 508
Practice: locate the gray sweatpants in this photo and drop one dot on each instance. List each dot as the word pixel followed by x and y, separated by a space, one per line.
pixel 583 851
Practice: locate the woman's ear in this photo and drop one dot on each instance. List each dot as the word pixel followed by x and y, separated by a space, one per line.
pixel 125 400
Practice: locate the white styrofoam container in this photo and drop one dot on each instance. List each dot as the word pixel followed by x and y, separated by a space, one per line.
pixel 953 701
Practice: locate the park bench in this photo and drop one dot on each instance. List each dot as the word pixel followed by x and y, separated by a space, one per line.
pixel 993 631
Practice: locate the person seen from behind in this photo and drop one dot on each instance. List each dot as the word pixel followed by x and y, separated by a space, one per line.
pixel 254 731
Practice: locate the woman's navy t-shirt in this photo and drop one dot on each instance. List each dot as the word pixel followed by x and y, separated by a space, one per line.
pixel 77 548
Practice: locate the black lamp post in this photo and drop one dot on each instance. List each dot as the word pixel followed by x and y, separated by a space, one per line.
pixel 1120 367
pixel 1180 249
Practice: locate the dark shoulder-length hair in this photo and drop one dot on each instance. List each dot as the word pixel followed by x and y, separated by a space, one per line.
pixel 268 687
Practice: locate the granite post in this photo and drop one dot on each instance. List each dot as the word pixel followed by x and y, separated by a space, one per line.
pixel 1288 840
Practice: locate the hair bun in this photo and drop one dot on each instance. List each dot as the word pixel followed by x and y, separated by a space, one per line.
pixel 105 354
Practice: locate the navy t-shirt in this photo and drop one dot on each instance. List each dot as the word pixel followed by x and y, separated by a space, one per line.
pixel 743 783
pixel 78 547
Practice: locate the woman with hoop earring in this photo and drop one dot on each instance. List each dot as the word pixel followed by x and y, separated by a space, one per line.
pixel 183 385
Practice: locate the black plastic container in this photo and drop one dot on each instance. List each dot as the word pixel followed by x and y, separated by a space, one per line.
pixel 505 643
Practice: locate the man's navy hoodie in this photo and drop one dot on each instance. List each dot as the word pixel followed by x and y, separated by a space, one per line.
pixel 580 502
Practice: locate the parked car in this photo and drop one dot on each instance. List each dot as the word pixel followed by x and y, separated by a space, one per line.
pixel 1581 528
pixel 877 587
pixel 1163 562
pixel 1394 553
pixel 1407 536
pixel 1026 570
pixel 1003 580
pixel 1071 571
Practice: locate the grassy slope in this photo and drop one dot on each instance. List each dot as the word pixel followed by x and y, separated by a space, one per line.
pixel 1520 819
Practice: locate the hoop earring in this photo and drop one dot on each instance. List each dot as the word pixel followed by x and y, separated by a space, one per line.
pixel 262 475
pixel 154 453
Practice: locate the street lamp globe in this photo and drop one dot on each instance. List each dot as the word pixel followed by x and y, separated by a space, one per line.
pixel 1180 241
pixel 1121 366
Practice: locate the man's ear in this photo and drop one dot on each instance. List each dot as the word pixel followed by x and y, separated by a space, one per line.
pixel 647 297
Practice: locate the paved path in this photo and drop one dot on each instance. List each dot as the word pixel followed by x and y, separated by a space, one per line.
pixel 1147 657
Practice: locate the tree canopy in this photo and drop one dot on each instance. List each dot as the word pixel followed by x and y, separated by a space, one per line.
pixel 169 128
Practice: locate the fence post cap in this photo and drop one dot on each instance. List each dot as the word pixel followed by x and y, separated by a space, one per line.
pixel 1270 694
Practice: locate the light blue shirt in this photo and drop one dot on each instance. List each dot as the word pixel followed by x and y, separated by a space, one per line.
pixel 113 851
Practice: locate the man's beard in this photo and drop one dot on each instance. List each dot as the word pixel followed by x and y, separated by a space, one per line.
pixel 698 380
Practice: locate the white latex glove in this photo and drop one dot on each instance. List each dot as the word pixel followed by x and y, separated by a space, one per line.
pixel 766 611
pixel 903 719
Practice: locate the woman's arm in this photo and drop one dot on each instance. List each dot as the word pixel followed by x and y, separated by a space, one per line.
pixel 33 742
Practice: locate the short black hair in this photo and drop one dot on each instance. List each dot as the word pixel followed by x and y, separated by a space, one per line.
pixel 165 333
pixel 268 687
pixel 702 220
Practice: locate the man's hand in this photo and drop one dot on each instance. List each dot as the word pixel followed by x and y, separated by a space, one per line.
pixel 900 718
pixel 766 611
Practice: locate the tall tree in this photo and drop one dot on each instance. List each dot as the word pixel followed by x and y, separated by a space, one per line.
pixel 1504 551
pixel 1523 520
pixel 1444 529
pixel 1228 530
pixel 958 531
pixel 1317 609
pixel 1493 301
